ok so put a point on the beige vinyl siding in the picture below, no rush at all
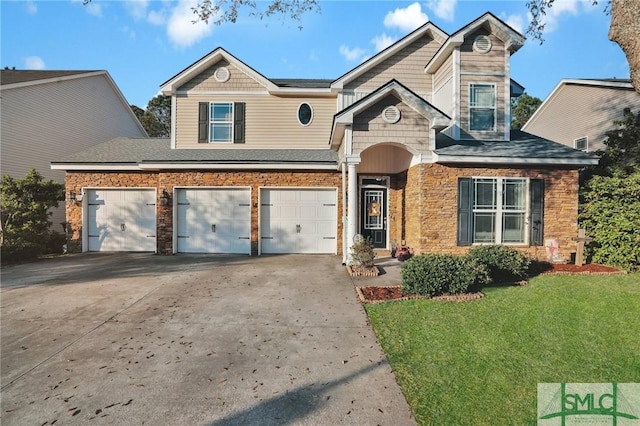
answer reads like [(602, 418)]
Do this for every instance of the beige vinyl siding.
[(48, 122), (369, 129), (271, 121), (465, 82), (443, 87), (577, 111), (482, 68), (472, 61), (238, 80), (407, 66)]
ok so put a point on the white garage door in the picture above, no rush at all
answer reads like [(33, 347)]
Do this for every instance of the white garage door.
[(298, 221), (121, 219), (214, 220)]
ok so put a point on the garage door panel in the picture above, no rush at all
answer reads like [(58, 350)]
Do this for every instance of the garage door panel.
[(121, 220), (214, 220), (298, 220)]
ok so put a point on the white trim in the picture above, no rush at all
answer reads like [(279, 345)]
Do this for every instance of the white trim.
[(85, 166), (174, 117), (484, 73), (439, 158), (211, 121), (298, 113), (79, 74), (221, 93), (507, 96), (457, 102), (495, 106), (242, 166)]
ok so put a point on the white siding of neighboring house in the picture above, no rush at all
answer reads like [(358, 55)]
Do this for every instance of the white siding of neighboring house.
[(41, 123), (577, 110)]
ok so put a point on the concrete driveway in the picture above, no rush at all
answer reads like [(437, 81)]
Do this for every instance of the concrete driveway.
[(187, 339)]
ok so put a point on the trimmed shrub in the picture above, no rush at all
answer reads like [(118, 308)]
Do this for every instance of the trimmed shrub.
[(362, 252), (502, 263), (437, 274)]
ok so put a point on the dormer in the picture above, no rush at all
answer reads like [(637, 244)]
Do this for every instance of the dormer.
[(471, 81)]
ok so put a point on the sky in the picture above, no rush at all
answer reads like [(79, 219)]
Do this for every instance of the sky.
[(143, 43)]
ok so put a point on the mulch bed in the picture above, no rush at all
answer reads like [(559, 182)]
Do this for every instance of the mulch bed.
[(375, 294)]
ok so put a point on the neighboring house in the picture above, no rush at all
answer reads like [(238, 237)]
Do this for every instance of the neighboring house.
[(414, 145), (578, 113), (48, 114)]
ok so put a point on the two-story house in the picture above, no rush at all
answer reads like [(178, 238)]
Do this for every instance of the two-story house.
[(412, 145)]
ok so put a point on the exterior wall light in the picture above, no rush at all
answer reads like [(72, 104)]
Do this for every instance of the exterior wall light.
[(164, 198), (75, 197)]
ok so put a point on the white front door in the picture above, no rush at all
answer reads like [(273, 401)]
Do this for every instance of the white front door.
[(121, 219), (298, 220), (214, 220)]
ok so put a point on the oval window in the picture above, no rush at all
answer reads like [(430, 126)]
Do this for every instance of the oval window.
[(305, 114)]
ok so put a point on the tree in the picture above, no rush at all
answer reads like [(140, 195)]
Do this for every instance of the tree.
[(622, 144), (624, 28), (24, 215), (522, 109), (156, 119)]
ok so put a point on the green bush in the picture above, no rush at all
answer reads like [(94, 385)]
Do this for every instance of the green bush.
[(437, 274), (610, 213), (503, 263), (362, 252), (24, 215)]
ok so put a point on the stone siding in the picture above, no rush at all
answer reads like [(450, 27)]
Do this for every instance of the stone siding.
[(76, 181), (431, 222)]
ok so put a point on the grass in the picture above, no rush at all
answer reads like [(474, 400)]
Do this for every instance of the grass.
[(479, 363)]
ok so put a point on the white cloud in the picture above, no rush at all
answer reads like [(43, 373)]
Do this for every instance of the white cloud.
[(516, 22), (93, 8), (129, 31), (137, 8), (352, 55), (32, 8), (554, 13), (407, 19), (382, 41), (156, 17), (181, 29), (443, 9), (34, 63)]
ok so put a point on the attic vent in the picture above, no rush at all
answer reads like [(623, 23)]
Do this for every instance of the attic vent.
[(221, 75), (391, 114), (482, 44)]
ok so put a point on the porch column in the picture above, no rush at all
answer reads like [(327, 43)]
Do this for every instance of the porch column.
[(352, 202)]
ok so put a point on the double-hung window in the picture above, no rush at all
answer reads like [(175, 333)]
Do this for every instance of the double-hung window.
[(495, 211), (482, 107), (221, 122)]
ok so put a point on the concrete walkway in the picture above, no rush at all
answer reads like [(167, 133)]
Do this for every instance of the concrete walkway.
[(187, 339)]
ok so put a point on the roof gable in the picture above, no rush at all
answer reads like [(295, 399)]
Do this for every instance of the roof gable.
[(345, 117), (429, 29), (512, 39), (170, 86), (10, 78)]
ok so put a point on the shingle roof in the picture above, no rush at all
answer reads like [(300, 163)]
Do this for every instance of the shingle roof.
[(521, 146), (23, 76), (158, 150), (306, 83)]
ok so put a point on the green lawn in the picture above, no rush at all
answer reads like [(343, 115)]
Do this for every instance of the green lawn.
[(479, 363)]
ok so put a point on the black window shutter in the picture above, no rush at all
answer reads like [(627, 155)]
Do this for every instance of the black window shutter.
[(203, 122), (536, 187), (238, 122), (465, 211)]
